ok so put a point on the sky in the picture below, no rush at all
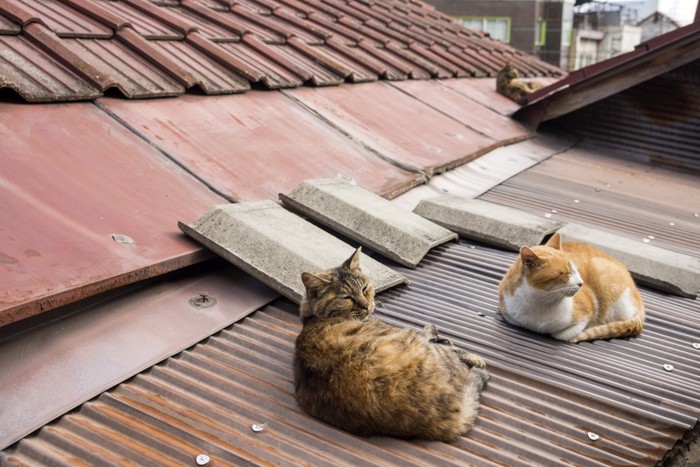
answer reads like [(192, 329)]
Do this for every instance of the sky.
[(682, 11)]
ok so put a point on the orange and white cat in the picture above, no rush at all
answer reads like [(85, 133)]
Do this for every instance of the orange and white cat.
[(571, 291)]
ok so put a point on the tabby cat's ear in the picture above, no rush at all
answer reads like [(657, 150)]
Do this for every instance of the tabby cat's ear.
[(529, 258), (353, 262), (554, 242), (313, 282)]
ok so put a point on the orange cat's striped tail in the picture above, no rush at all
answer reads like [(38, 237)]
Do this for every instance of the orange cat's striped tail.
[(617, 329)]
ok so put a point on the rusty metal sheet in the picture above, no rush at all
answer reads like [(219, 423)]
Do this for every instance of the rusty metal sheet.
[(233, 142), (471, 113), (87, 206), (396, 126), (231, 397), (97, 345), (36, 77)]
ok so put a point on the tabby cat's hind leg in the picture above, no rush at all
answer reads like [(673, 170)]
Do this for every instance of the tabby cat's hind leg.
[(431, 333), (469, 359)]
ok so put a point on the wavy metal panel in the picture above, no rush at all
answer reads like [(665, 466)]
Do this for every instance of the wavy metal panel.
[(543, 399), (657, 121), (654, 205)]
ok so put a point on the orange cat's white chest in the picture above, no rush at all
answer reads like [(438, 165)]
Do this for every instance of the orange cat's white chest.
[(530, 308)]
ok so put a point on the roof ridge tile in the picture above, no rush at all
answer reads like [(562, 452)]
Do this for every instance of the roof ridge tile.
[(143, 47), (162, 14), (215, 17), (300, 23), (222, 56), (260, 20), (19, 14), (266, 51), (95, 11), (45, 38), (319, 56)]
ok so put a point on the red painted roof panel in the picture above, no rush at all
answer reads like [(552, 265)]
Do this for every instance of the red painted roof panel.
[(395, 125), (63, 237), (234, 141)]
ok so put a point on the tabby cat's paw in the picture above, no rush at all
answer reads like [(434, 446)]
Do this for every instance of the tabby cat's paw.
[(471, 360)]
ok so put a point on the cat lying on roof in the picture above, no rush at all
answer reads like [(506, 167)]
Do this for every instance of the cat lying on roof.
[(571, 291), (371, 378)]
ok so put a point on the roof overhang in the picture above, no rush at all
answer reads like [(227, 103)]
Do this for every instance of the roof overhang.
[(601, 80)]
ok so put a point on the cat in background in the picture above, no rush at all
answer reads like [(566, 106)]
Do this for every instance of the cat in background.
[(509, 84), (355, 372), (571, 291)]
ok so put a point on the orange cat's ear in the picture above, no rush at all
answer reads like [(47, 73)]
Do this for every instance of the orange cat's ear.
[(529, 258), (353, 262), (313, 282), (554, 242)]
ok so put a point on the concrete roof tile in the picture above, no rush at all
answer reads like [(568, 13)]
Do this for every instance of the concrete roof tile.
[(368, 218), (239, 232)]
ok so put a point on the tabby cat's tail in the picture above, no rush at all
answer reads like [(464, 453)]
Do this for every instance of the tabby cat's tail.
[(617, 329)]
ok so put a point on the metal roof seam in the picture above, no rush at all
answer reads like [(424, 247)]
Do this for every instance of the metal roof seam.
[(175, 160)]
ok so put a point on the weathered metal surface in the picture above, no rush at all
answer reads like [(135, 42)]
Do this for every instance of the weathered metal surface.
[(588, 187), (276, 246), (547, 403), (96, 345), (487, 222), (432, 143), (367, 218), (36, 77), (656, 121), (58, 229), (479, 117), (650, 265), (233, 141)]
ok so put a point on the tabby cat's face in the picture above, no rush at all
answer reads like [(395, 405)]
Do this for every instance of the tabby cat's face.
[(342, 291)]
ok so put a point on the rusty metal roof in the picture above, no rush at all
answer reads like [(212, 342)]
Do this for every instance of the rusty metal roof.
[(231, 396), (155, 49)]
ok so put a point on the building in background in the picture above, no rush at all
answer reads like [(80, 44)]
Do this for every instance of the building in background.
[(571, 33), (537, 27)]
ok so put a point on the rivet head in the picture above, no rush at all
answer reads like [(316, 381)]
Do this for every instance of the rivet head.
[(481, 314), (258, 427), (696, 345), (593, 436), (668, 367), (202, 459), (203, 300), (120, 238)]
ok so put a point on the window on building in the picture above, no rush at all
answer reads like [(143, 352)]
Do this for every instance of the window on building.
[(497, 27), (541, 33)]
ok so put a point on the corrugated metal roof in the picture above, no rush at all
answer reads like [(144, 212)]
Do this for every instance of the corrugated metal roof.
[(543, 399), (271, 40), (657, 121), (654, 205)]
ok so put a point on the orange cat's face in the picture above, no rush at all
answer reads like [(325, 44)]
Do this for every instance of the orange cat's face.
[(547, 269)]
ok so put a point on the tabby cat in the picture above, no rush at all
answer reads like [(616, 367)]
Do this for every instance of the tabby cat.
[(355, 372), (572, 291), (508, 84)]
